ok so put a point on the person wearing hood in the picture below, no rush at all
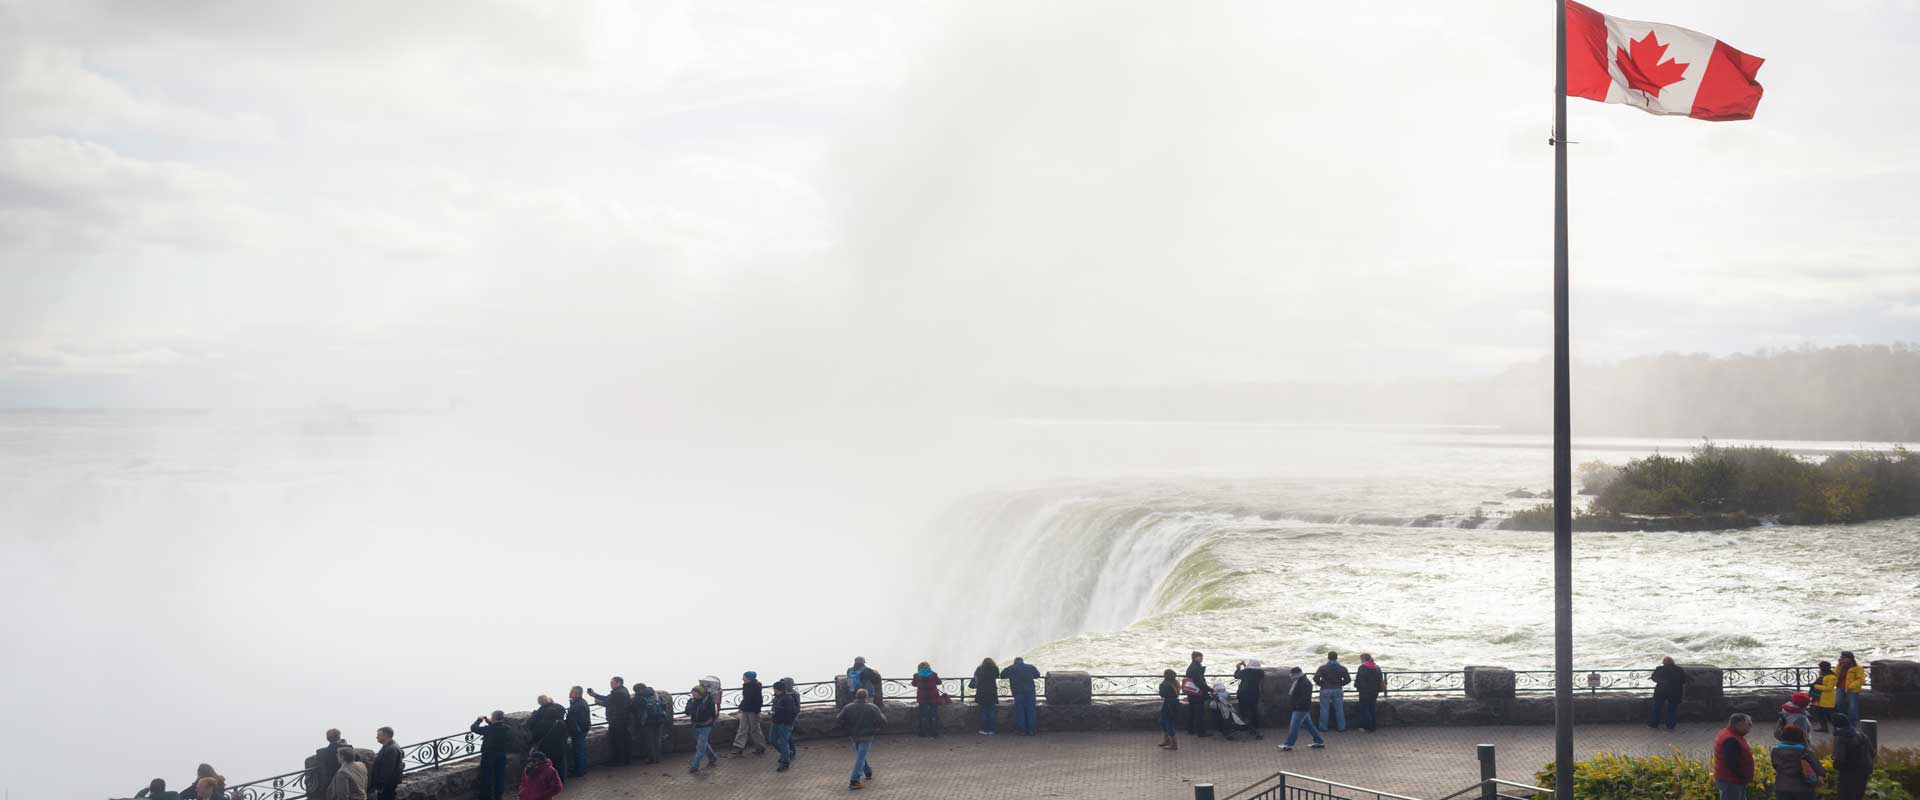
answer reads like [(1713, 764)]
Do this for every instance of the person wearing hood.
[(1669, 688), (749, 733), (548, 726), (1197, 699), (1849, 681), (862, 720), (1797, 773), (1251, 676), (860, 676), (209, 784), (1300, 703), (495, 740), (619, 705), (927, 698), (1824, 695), (1853, 758), (702, 708), (1371, 683), (1793, 714), (1169, 709), (786, 711), (986, 694), (542, 781), (1022, 681), (350, 779)]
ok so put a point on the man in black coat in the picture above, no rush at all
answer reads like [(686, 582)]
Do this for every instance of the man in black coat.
[(495, 740), (387, 766), (548, 726), (326, 761), (1197, 703), (579, 722), (1300, 703), (1669, 688), (619, 706)]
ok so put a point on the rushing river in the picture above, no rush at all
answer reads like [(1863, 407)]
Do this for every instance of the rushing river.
[(222, 587)]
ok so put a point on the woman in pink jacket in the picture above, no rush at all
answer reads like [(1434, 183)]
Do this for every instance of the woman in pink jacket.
[(541, 782)]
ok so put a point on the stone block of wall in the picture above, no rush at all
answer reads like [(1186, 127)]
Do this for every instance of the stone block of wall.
[(1489, 683), (1069, 688), (1893, 675), (1706, 691)]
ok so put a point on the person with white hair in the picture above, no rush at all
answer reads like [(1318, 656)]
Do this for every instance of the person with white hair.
[(1251, 677)]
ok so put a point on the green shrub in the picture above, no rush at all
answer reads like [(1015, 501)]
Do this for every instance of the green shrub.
[(1844, 487), (1682, 777), (1902, 766)]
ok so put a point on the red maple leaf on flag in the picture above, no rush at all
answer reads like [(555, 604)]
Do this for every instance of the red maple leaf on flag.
[(1643, 69)]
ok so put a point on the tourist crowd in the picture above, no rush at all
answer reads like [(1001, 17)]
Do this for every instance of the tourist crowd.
[(1831, 705), (556, 746)]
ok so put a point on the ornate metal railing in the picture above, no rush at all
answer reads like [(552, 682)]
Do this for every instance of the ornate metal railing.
[(1424, 681), (463, 746), (291, 786), (1769, 677), (439, 752), (1126, 685)]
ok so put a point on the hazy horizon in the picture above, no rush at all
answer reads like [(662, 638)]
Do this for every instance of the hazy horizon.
[(731, 293)]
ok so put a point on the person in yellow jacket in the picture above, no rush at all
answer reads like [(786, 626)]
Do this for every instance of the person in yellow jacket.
[(1851, 681), (1825, 693)]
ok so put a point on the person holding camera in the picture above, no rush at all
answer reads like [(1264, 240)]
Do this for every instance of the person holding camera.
[(495, 740)]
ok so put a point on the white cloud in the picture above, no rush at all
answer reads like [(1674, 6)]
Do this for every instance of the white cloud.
[(58, 193)]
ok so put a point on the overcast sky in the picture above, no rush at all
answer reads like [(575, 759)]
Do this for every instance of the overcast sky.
[(240, 203)]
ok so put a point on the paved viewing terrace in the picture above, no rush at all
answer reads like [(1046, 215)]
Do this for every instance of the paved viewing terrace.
[(1423, 762)]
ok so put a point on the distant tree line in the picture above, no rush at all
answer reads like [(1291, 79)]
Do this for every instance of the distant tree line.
[(1860, 393)]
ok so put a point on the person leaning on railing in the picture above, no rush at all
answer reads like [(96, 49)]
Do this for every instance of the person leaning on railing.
[(1669, 688), (986, 694), (1022, 679)]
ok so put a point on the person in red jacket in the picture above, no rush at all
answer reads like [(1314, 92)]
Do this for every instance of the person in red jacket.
[(1733, 758), (542, 781)]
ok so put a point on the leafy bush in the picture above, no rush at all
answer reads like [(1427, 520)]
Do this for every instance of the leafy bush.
[(1596, 476), (1845, 487), (1682, 777), (1902, 766)]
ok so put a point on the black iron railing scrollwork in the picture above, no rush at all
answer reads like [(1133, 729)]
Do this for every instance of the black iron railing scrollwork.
[(463, 746)]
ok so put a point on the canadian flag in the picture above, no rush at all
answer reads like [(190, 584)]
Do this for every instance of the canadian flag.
[(1660, 69)]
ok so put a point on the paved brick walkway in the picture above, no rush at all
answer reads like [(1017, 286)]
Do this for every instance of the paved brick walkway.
[(1424, 762)]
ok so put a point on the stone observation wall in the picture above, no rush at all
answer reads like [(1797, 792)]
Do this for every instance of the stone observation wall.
[(1069, 705)]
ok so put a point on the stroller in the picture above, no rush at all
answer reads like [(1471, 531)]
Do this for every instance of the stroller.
[(1224, 713)]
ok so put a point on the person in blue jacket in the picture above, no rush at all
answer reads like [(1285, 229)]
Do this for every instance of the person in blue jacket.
[(1020, 677)]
